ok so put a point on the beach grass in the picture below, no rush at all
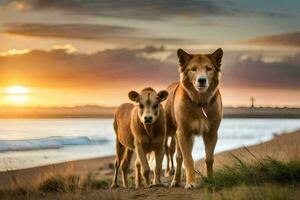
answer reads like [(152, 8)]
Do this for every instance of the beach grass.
[(266, 178), (267, 170)]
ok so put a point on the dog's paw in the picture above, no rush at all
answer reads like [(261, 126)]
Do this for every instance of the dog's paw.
[(174, 184), (190, 186)]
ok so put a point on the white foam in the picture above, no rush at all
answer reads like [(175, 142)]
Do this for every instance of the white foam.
[(54, 142)]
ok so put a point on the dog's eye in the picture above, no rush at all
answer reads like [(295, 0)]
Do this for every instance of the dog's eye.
[(208, 69), (194, 69), (155, 106), (141, 106)]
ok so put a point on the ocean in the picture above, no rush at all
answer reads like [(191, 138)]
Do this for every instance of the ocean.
[(26, 143)]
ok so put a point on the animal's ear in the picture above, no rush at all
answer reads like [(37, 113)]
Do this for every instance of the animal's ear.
[(133, 96), (183, 58), (162, 95), (217, 58)]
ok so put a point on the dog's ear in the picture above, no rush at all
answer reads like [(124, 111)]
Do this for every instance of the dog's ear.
[(216, 57), (183, 58), (162, 95), (133, 96)]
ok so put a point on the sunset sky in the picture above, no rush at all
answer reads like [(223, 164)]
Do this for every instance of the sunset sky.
[(78, 52)]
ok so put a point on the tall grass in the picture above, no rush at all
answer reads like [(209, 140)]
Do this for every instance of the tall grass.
[(73, 184), (259, 179), (266, 170)]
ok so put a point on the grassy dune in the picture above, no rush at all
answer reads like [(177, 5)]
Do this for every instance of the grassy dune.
[(270, 170), (263, 179)]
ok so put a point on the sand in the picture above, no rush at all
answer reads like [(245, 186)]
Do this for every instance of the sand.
[(282, 147)]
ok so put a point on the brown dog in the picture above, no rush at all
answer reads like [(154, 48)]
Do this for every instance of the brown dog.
[(140, 128), (194, 107)]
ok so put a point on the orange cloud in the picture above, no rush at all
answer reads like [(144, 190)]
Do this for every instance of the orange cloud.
[(105, 77), (291, 39), (13, 52)]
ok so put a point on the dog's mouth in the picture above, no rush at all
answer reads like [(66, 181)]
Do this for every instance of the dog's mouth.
[(148, 123), (200, 88)]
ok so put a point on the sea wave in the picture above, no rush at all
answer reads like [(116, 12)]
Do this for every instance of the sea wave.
[(55, 142)]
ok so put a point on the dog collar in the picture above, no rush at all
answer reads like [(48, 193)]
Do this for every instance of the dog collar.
[(205, 105), (204, 112)]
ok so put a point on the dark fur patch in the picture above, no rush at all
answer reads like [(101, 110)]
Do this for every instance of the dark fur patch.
[(148, 100)]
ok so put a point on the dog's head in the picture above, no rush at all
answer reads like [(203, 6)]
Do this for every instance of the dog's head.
[(200, 69), (148, 103)]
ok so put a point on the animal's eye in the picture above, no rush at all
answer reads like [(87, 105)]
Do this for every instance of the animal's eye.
[(155, 106), (208, 68), (194, 69), (141, 106)]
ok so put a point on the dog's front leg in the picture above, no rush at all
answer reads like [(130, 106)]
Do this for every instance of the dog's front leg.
[(144, 163), (210, 140), (186, 141)]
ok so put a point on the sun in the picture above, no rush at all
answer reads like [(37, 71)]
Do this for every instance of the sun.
[(16, 89), (17, 94)]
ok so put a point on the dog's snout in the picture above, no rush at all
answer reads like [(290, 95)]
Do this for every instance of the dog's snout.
[(201, 80), (148, 119)]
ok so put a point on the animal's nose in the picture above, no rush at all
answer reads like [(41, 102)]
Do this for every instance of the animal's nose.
[(201, 80), (148, 119)]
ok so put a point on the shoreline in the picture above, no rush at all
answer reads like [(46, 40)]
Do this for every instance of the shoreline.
[(281, 147), (108, 112)]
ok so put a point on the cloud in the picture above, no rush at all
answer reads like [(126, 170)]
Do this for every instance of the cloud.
[(13, 52), (68, 48), (146, 9), (284, 39), (126, 68), (253, 71), (6, 5), (149, 9), (103, 33), (79, 31), (58, 68)]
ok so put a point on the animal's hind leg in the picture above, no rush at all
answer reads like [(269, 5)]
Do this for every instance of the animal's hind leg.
[(119, 155), (171, 154), (177, 175), (138, 174), (125, 164), (167, 171)]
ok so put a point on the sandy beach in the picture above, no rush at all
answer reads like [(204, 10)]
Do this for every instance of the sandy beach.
[(282, 147)]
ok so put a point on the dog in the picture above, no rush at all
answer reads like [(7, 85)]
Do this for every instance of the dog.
[(194, 107), (140, 128)]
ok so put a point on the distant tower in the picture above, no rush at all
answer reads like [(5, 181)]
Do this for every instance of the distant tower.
[(252, 99)]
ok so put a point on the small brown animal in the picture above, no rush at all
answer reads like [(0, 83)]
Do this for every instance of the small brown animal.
[(194, 107), (140, 128)]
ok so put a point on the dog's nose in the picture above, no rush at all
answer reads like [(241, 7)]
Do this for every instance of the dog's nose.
[(148, 119), (202, 81)]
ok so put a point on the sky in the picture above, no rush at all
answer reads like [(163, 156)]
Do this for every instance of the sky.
[(79, 52)]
